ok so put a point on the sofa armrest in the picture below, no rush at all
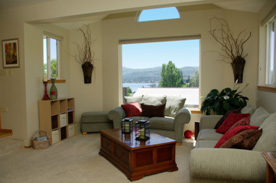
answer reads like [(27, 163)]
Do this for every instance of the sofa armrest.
[(229, 164), (116, 115), (181, 118), (209, 121)]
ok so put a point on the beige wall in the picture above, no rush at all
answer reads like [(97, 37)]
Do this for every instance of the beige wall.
[(214, 74), (88, 97), (13, 96), (33, 36), (22, 88), (22, 114), (264, 98)]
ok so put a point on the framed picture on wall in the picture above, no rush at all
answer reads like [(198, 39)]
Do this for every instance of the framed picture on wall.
[(10, 53)]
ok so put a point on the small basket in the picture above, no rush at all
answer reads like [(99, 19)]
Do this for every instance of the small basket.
[(41, 139)]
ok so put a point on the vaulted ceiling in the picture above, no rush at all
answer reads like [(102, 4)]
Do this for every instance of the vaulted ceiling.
[(240, 5)]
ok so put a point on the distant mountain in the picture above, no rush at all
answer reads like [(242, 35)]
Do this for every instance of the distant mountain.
[(151, 75)]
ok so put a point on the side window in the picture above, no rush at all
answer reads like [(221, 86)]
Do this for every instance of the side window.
[(270, 61), (51, 57)]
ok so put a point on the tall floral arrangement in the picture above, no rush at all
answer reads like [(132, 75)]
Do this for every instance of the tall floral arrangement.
[(232, 47), (86, 54)]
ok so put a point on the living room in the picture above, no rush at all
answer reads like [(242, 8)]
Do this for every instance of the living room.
[(112, 22)]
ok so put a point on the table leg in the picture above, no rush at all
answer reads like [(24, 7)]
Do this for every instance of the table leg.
[(269, 174), (196, 129)]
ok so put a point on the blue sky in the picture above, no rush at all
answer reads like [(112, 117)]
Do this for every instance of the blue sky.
[(159, 14), (147, 55)]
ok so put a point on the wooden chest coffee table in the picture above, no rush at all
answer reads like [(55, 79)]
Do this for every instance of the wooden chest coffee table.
[(135, 158)]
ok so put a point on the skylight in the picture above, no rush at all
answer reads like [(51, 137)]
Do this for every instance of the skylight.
[(159, 14)]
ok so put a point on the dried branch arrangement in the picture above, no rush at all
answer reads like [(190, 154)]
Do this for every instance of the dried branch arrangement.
[(85, 51), (232, 47)]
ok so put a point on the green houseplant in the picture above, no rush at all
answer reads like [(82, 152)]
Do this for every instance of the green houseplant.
[(221, 102)]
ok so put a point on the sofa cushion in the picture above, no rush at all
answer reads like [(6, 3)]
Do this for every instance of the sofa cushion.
[(153, 100), (94, 117), (231, 119), (258, 117), (243, 140), (267, 142), (248, 109), (206, 143), (133, 99), (159, 123), (173, 105), (219, 123), (209, 134), (152, 110), (132, 109), (233, 132)]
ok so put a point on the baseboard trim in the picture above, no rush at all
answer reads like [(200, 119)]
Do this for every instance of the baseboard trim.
[(5, 132)]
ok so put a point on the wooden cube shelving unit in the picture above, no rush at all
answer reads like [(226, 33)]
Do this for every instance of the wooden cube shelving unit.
[(57, 117)]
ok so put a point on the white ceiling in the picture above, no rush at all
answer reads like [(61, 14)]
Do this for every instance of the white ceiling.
[(241, 5)]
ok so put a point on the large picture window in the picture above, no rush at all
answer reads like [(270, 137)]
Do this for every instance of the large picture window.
[(51, 56), (168, 66)]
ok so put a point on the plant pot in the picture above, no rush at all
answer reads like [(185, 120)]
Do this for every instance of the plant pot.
[(238, 67), (87, 69)]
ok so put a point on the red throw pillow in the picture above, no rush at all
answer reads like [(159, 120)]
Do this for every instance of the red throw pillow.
[(132, 109), (231, 119), (233, 132), (238, 111), (241, 122)]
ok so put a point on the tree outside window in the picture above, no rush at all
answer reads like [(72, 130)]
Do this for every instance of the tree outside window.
[(51, 47)]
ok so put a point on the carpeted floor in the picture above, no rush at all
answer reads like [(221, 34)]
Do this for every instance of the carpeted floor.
[(76, 160)]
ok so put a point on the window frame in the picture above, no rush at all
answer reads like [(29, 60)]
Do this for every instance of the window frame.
[(48, 55), (269, 28), (161, 39)]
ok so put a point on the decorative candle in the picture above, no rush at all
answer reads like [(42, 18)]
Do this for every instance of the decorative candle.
[(45, 79), (126, 127), (142, 133)]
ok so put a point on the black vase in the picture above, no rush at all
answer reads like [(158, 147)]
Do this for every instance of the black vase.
[(238, 67), (87, 68)]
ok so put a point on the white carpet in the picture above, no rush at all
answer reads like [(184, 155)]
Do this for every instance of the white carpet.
[(76, 160)]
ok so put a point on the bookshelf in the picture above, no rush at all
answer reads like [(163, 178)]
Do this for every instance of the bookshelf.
[(57, 117)]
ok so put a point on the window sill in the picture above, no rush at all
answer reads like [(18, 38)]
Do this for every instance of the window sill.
[(58, 81), (195, 111), (267, 88)]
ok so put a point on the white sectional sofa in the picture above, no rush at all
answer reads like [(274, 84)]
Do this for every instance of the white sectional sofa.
[(209, 164)]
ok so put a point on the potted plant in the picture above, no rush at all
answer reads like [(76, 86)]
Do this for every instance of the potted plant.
[(221, 102), (85, 54), (232, 46)]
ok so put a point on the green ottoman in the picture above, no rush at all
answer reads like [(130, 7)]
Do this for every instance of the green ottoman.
[(95, 122)]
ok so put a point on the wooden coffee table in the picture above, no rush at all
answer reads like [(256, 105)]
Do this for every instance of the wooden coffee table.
[(135, 158), (270, 166)]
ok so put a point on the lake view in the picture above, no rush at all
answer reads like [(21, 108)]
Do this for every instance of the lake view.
[(135, 86)]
